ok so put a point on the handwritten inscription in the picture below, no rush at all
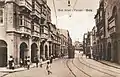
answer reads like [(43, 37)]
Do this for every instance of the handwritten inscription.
[(75, 10)]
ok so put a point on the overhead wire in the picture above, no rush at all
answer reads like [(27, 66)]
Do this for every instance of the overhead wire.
[(74, 6), (55, 11)]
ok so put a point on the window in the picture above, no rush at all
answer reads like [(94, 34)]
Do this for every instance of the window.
[(20, 20), (1, 16)]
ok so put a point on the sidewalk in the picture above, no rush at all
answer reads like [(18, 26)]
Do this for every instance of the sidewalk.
[(111, 64), (4, 71)]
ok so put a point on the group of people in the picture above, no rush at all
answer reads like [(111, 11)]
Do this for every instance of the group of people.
[(26, 63)]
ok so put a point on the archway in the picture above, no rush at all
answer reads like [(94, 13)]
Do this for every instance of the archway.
[(41, 49), (109, 51), (34, 50), (50, 50), (115, 51), (23, 49), (46, 52), (3, 53)]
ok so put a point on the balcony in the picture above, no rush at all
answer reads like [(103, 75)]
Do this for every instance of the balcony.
[(35, 34), (44, 36), (26, 3), (35, 13), (25, 30), (112, 27), (43, 15), (112, 30)]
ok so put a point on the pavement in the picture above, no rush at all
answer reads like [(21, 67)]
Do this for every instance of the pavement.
[(5, 71), (111, 64)]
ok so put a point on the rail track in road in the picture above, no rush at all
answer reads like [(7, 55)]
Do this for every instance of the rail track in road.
[(83, 72), (110, 75), (100, 67), (70, 69)]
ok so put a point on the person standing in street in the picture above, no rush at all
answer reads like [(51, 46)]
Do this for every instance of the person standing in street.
[(51, 59), (48, 68)]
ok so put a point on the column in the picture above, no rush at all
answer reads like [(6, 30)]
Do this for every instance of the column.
[(29, 47)]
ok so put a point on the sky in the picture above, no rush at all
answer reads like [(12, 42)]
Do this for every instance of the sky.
[(77, 21)]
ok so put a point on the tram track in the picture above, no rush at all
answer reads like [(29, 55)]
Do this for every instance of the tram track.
[(80, 70), (100, 67), (111, 75), (70, 69)]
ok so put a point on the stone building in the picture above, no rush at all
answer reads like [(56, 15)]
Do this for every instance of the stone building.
[(63, 42), (108, 23), (112, 18), (23, 28), (66, 40), (87, 43), (100, 24)]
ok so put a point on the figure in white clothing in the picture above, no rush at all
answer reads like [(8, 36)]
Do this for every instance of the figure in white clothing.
[(48, 68)]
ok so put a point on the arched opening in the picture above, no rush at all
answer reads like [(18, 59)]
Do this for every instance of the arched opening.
[(109, 51), (41, 49), (46, 52), (3, 53), (50, 50), (115, 51), (114, 14), (23, 50), (34, 49), (114, 11), (101, 53)]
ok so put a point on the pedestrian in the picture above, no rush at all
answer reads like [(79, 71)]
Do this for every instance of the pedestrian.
[(21, 63), (41, 63), (13, 64), (51, 59), (28, 62), (48, 68), (36, 61), (25, 62), (10, 62)]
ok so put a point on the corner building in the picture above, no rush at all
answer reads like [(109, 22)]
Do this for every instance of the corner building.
[(22, 27)]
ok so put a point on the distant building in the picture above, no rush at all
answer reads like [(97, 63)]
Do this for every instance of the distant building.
[(87, 44), (78, 46)]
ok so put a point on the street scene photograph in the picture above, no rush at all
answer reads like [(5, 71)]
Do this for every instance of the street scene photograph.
[(59, 38)]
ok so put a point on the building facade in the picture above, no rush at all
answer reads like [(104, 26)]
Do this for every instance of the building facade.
[(106, 33), (87, 44), (100, 24), (112, 9)]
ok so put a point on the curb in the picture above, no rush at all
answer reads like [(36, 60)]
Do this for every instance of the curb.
[(8, 72), (109, 65)]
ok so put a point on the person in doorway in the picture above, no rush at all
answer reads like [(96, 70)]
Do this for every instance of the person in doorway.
[(36, 61), (21, 63), (48, 68)]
